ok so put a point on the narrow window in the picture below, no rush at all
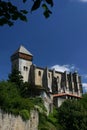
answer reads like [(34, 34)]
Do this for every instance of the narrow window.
[(49, 75), (57, 79), (24, 67), (39, 73)]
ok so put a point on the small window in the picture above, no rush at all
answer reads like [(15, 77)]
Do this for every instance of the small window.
[(49, 75), (39, 73), (57, 79), (25, 68)]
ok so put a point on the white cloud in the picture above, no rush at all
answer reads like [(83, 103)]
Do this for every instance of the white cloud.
[(84, 85), (62, 68), (84, 76)]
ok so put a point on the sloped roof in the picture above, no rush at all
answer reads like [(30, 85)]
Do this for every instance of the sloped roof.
[(22, 49)]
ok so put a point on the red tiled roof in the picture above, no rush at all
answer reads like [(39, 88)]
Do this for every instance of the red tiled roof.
[(66, 94)]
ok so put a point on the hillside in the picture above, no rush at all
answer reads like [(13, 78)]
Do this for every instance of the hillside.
[(72, 114)]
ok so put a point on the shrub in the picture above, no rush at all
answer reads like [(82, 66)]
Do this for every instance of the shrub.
[(24, 114)]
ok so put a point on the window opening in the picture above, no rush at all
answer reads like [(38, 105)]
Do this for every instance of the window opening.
[(39, 73), (25, 68), (49, 75)]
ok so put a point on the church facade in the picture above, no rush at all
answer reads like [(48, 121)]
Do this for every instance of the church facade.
[(54, 86)]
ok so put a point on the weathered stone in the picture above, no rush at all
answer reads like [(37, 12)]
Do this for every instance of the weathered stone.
[(11, 122)]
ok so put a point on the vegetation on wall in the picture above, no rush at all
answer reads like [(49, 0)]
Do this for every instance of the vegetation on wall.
[(16, 77), (49, 122), (11, 100), (72, 114), (15, 99)]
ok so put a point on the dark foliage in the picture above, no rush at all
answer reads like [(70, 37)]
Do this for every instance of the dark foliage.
[(48, 122), (16, 77), (72, 115), (9, 13), (11, 101)]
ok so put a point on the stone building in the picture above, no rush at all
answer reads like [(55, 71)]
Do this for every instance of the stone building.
[(53, 86)]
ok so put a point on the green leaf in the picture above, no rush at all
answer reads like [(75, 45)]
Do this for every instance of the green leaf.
[(50, 2), (22, 17), (14, 17), (46, 14), (36, 5), (44, 6), (49, 12)]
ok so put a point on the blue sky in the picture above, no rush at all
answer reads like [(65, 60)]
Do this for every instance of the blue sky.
[(59, 41)]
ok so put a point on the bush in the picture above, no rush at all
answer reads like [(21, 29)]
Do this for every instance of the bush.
[(24, 114), (12, 102), (44, 129)]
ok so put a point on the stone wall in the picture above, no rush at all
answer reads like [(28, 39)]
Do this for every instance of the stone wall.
[(11, 122)]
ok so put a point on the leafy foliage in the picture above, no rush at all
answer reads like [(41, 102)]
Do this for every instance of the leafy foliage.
[(25, 90), (12, 102), (24, 114), (47, 12), (72, 115), (8, 91), (9, 13), (53, 117), (48, 122), (16, 77), (36, 5), (83, 101)]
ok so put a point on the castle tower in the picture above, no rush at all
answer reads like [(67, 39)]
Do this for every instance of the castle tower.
[(22, 59)]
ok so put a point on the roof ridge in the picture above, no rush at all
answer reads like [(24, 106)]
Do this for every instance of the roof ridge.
[(22, 49)]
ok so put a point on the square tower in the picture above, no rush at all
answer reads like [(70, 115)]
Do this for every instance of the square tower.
[(22, 59)]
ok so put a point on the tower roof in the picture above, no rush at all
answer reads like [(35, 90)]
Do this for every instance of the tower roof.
[(22, 49)]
